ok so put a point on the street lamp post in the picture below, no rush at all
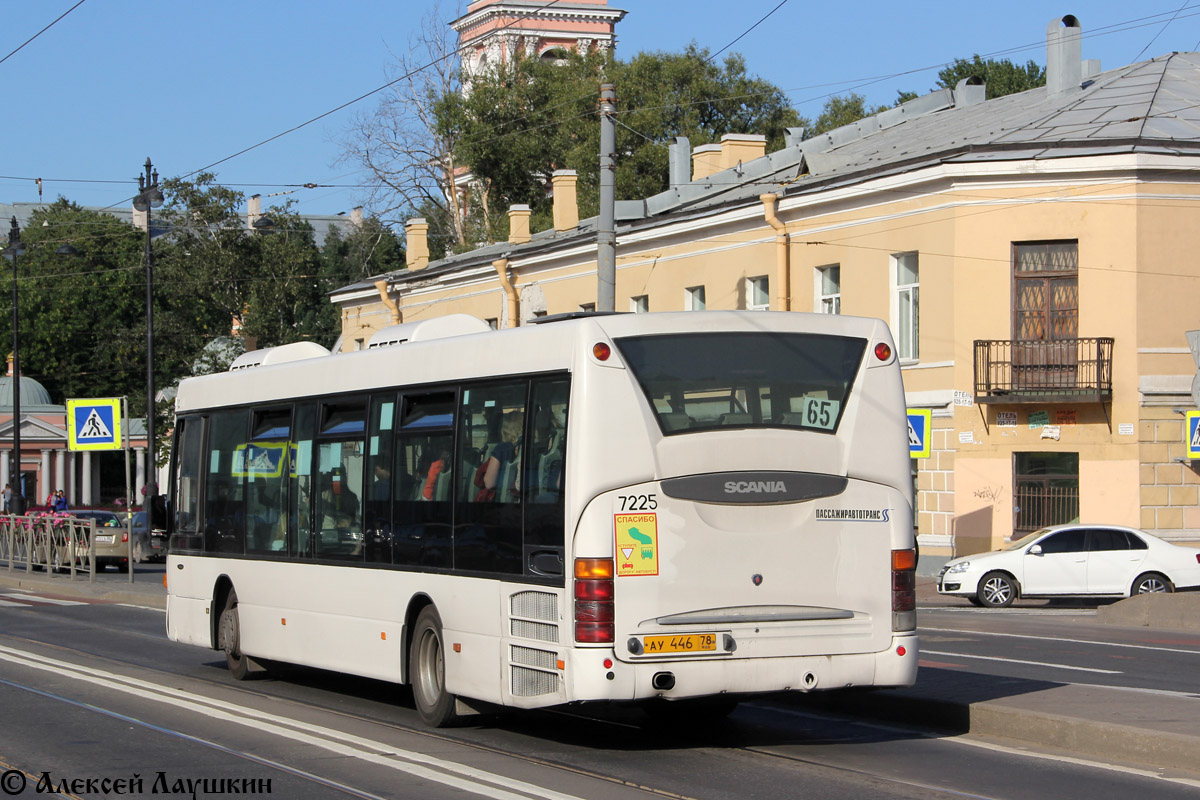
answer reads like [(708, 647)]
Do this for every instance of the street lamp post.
[(17, 504), (149, 197)]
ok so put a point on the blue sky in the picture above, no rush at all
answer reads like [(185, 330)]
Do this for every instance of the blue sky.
[(192, 83)]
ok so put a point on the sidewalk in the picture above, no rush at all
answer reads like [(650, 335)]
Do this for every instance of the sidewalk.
[(1140, 727)]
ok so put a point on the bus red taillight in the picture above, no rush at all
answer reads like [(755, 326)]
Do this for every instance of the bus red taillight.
[(882, 351), (594, 600), (904, 580)]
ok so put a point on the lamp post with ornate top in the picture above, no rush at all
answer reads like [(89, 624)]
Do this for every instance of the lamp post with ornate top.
[(149, 197)]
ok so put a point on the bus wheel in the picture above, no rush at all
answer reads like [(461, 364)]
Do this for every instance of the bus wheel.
[(240, 665), (427, 671)]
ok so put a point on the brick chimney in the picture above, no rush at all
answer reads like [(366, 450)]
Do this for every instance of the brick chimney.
[(741, 148), (253, 210), (518, 223), (566, 205), (416, 234), (706, 159)]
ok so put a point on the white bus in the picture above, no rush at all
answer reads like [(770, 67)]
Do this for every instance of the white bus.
[(686, 507)]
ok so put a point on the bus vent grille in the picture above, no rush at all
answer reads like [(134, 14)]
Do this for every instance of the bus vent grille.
[(535, 605), (531, 657), (531, 682), (524, 629)]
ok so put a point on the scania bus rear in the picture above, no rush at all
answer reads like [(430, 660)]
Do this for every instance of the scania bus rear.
[(748, 520)]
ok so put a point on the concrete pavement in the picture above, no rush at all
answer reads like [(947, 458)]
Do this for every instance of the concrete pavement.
[(1156, 730)]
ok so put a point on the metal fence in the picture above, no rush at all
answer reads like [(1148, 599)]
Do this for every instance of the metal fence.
[(53, 543), (1039, 505)]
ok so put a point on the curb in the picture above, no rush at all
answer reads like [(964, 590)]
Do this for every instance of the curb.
[(106, 591)]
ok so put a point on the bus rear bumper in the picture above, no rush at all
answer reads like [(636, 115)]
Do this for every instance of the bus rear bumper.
[(681, 678)]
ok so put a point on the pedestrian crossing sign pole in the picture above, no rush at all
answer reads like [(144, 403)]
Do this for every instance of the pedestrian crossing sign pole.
[(94, 424), (1193, 435)]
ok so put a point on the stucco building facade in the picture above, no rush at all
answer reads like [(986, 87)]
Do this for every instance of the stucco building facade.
[(1035, 256)]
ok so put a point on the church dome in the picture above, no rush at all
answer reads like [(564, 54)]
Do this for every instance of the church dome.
[(33, 394)]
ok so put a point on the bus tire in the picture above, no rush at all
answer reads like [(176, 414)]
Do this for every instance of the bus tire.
[(427, 671), (241, 666)]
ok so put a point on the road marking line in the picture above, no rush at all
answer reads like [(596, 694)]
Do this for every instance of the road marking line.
[(13, 604), (925, 652), (961, 739), (420, 765), (1068, 641)]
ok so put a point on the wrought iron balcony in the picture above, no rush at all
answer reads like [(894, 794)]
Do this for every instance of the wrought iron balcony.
[(1060, 370)]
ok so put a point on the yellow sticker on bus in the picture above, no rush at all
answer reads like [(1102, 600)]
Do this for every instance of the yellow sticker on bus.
[(637, 544)]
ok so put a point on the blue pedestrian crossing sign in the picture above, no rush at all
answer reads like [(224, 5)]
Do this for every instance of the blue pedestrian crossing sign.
[(94, 424), (920, 435), (1193, 434)]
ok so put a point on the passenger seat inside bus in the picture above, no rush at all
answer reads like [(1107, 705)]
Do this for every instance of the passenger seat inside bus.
[(675, 421)]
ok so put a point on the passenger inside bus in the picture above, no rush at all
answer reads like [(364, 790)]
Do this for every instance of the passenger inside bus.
[(499, 470)]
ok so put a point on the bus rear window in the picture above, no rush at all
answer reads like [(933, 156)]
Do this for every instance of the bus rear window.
[(706, 381)]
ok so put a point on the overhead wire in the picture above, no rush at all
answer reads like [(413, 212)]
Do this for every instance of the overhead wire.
[(59, 18)]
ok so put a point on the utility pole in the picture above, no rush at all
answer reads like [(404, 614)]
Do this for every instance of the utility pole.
[(606, 233)]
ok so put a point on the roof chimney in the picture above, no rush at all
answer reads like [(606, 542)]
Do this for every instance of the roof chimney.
[(1064, 59), (518, 223), (253, 210), (356, 216), (566, 207), (741, 148), (706, 159), (970, 92), (416, 234), (678, 151), (792, 136)]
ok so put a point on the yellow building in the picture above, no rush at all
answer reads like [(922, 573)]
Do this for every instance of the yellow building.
[(1035, 255)]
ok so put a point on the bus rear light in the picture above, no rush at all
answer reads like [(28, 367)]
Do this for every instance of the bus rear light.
[(904, 588), (594, 591), (589, 611), (882, 351), (593, 568), (601, 351), (594, 632)]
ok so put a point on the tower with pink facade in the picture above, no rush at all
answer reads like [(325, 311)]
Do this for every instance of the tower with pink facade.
[(493, 30)]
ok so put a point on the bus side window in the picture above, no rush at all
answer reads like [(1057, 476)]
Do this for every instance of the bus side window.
[(488, 519), (424, 478), (545, 475), (224, 510), (185, 502)]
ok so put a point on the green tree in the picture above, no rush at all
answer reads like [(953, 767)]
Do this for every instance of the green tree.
[(1003, 77), (527, 117)]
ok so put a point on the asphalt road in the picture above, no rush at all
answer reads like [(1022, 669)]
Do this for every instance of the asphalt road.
[(93, 690)]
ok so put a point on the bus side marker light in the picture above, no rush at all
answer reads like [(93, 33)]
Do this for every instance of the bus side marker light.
[(283, 620), (607, 663), (458, 647), (560, 664), (900, 650), (383, 635)]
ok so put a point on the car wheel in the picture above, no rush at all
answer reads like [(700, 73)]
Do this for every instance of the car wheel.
[(996, 590), (1151, 583), (427, 670)]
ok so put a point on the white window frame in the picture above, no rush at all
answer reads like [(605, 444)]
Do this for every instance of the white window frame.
[(639, 304), (830, 303), (750, 286), (694, 298), (908, 342)]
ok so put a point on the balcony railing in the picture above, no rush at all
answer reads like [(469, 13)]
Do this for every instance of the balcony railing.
[(1062, 370)]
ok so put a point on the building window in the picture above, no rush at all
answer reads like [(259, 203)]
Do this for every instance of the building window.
[(829, 289), (905, 305), (587, 307), (359, 344), (758, 294), (492, 323), (639, 304), (1047, 490), (1045, 314), (694, 298)]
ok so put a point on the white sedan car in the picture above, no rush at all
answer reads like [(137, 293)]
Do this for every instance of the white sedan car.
[(1073, 561)]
